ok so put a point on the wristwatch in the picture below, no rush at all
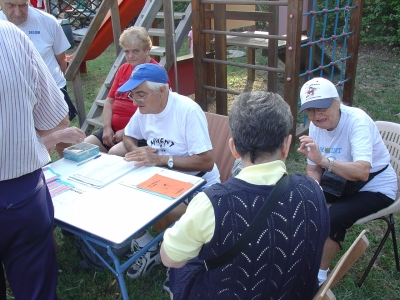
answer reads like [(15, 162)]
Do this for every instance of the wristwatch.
[(330, 159), (170, 162)]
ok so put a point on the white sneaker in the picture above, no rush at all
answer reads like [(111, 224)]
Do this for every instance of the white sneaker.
[(145, 263), (166, 283)]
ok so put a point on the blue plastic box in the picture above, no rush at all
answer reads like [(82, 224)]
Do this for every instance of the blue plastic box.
[(80, 152)]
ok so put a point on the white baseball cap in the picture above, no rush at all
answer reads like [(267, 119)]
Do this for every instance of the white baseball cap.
[(317, 93)]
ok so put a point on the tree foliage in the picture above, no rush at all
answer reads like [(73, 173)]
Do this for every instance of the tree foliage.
[(380, 21)]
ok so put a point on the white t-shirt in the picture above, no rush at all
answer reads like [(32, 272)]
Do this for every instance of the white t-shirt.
[(179, 130), (357, 138), (48, 37)]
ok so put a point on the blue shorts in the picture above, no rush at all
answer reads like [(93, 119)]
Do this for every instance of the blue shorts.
[(99, 135)]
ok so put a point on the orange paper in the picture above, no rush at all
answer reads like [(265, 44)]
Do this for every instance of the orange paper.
[(165, 185)]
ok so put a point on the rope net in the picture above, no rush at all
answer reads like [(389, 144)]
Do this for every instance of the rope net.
[(328, 39)]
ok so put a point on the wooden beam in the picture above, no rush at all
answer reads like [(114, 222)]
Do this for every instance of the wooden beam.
[(169, 28), (74, 64), (352, 49), (293, 55), (199, 51), (47, 6), (77, 88), (273, 49), (116, 25), (245, 2), (243, 15), (220, 54)]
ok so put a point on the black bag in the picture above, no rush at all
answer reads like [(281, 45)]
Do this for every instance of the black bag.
[(333, 184), (338, 186), (91, 260)]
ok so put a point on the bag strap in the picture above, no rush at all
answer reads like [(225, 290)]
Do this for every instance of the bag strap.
[(200, 174), (254, 227)]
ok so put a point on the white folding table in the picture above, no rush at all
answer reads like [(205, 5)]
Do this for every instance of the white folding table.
[(113, 215)]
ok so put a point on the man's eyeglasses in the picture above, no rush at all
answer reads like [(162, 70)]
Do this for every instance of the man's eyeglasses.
[(311, 111), (138, 100)]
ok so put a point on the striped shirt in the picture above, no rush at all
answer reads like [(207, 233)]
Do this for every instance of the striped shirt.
[(29, 100)]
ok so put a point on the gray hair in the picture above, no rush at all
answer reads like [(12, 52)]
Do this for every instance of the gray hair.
[(156, 86), (259, 122), (337, 99), (133, 34)]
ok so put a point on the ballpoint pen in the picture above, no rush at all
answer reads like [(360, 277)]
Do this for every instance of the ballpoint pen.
[(85, 161)]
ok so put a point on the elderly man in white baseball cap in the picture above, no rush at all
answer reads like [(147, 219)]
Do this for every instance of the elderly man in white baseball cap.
[(346, 155)]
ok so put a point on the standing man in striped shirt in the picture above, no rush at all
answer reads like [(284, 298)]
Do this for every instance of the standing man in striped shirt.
[(50, 41), (31, 107)]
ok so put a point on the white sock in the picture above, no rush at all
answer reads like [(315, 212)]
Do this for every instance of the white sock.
[(145, 239), (322, 275)]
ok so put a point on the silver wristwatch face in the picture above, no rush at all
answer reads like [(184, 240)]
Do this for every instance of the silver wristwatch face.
[(170, 162)]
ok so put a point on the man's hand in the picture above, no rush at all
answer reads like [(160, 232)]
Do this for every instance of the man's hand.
[(144, 156), (71, 135)]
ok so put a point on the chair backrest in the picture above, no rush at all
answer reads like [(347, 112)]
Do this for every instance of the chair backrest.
[(390, 133), (218, 128), (343, 265)]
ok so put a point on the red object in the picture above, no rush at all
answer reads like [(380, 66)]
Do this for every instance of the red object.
[(185, 76), (35, 4)]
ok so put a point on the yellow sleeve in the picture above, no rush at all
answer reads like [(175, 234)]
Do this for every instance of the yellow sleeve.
[(196, 227)]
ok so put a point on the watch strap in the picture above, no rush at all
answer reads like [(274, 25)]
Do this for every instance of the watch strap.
[(330, 164)]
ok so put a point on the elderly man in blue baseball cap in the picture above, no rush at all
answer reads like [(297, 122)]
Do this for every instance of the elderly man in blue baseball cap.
[(176, 131)]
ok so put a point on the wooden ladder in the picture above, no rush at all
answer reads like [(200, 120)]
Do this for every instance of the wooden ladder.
[(150, 12)]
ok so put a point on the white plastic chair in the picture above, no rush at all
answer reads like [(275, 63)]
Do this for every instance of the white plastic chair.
[(390, 133), (342, 267)]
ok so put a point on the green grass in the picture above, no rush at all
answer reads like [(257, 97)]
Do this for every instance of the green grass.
[(377, 91)]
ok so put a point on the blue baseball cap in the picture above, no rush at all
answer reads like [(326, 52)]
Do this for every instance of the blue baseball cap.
[(142, 73)]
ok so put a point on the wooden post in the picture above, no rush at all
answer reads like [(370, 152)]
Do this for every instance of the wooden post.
[(80, 53), (199, 51), (209, 48), (352, 49), (116, 25), (77, 88), (72, 72), (273, 49), (293, 57), (312, 38), (47, 6), (155, 39), (220, 53), (169, 28)]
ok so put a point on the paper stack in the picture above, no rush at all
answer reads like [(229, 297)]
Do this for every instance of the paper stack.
[(102, 171)]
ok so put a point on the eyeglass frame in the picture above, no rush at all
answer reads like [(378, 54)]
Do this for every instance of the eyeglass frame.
[(138, 100)]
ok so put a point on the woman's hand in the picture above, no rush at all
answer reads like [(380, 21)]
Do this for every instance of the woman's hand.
[(310, 149), (118, 136), (108, 134)]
